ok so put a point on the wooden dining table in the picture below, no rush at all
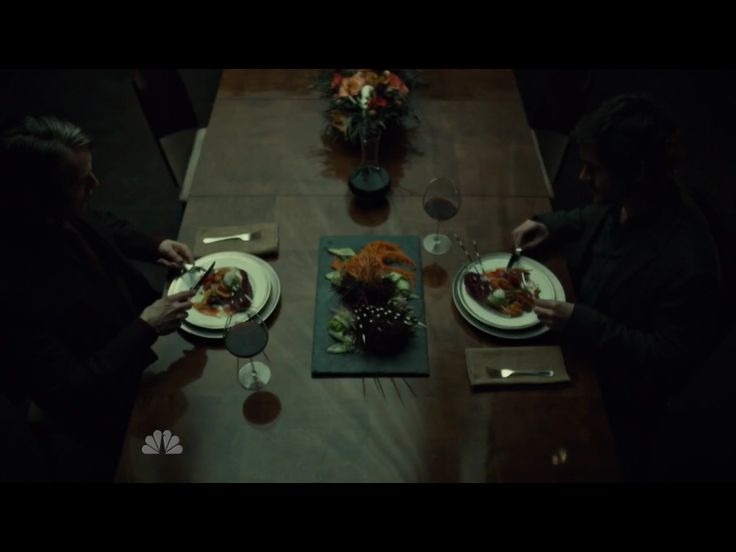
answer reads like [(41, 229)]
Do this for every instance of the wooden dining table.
[(265, 159)]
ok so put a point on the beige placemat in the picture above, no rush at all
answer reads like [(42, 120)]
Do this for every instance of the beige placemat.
[(266, 244), (515, 358)]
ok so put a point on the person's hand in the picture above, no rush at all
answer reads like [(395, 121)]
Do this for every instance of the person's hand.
[(174, 254), (553, 314), (166, 315), (529, 234)]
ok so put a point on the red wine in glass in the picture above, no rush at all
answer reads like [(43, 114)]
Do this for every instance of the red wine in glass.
[(440, 208), (441, 202), (246, 340)]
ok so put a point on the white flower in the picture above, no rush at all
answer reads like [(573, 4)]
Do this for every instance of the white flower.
[(366, 93)]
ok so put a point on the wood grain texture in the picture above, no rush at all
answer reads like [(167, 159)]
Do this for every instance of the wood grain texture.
[(264, 161), (387, 429)]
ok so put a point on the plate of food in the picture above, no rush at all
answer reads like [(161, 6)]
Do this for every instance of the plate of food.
[(505, 299), (238, 284), (267, 310)]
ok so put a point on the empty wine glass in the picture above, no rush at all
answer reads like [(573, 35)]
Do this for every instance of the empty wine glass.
[(246, 335), (441, 201)]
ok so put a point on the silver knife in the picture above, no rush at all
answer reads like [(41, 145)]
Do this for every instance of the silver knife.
[(514, 258), (201, 280)]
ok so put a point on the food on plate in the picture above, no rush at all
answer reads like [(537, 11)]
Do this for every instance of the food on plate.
[(224, 292), (512, 293)]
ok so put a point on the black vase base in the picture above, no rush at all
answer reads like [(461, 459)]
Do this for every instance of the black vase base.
[(370, 185)]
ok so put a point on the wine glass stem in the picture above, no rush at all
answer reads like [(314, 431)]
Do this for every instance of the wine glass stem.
[(436, 237), (253, 370)]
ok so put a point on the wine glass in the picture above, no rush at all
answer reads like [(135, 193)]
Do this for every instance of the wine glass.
[(246, 335), (441, 201)]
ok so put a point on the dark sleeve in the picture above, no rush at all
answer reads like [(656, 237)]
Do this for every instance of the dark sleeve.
[(133, 243), (60, 381), (564, 226), (22, 457), (680, 332)]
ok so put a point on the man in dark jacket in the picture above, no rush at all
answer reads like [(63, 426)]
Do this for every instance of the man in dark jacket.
[(79, 320), (643, 264)]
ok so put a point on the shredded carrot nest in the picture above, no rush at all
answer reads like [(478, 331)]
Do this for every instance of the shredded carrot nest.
[(374, 260)]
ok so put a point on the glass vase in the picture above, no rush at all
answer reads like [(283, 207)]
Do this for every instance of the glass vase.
[(369, 181)]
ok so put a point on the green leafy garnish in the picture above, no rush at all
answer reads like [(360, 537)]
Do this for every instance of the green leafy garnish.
[(344, 252), (339, 348), (334, 276)]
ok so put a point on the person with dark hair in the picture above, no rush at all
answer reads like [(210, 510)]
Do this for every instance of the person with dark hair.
[(644, 267), (79, 320)]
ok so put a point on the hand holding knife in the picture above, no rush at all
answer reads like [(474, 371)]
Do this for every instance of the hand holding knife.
[(514, 258)]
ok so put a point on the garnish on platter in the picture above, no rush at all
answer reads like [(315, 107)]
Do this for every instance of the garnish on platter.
[(224, 292), (375, 315), (510, 293)]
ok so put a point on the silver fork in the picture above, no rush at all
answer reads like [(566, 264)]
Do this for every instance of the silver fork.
[(505, 373), (248, 236)]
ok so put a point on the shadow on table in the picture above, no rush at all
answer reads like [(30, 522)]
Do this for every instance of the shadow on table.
[(161, 401), (434, 276), (262, 408)]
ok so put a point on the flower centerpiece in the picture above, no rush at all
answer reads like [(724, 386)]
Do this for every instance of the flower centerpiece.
[(364, 102)]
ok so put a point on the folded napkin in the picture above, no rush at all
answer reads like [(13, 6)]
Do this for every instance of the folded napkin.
[(515, 358), (265, 244)]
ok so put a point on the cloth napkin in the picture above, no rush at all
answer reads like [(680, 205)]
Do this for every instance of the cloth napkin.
[(515, 358), (265, 244)]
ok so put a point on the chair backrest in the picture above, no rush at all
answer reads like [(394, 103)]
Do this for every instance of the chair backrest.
[(554, 100), (170, 115), (164, 100)]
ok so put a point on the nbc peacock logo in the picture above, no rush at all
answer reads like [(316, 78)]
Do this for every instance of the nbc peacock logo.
[(162, 442)]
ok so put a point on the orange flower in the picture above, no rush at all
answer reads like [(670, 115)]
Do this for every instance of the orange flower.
[(370, 76), (351, 86)]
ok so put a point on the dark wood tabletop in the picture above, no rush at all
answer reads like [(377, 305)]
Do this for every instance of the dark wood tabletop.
[(264, 160)]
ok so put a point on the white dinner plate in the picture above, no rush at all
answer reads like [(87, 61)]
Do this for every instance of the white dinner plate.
[(265, 313), (514, 334), (539, 274), (257, 275)]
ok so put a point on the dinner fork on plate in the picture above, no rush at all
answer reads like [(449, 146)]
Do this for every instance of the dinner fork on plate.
[(247, 236)]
